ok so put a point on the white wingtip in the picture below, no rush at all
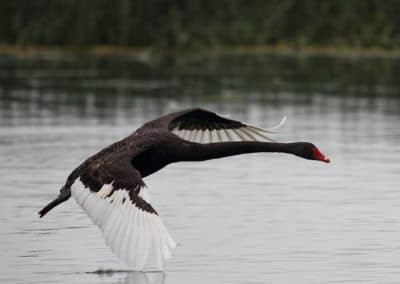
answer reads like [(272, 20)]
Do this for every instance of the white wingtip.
[(279, 125), (270, 130)]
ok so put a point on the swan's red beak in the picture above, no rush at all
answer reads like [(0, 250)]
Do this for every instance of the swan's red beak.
[(319, 156)]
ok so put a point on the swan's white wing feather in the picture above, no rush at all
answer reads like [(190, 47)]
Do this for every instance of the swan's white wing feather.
[(131, 227), (201, 126)]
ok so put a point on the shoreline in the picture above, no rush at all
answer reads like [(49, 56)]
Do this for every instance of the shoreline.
[(279, 50)]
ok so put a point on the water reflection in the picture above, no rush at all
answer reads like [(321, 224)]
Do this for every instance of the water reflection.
[(144, 278), (104, 88), (133, 277), (196, 75)]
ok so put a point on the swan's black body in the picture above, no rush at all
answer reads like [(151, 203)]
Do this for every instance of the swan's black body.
[(153, 146), (109, 186)]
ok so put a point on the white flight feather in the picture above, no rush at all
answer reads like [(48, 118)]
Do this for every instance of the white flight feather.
[(138, 237), (245, 133)]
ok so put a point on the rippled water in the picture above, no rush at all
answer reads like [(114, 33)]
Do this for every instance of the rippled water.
[(260, 218)]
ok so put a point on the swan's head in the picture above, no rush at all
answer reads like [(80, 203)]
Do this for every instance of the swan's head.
[(309, 151)]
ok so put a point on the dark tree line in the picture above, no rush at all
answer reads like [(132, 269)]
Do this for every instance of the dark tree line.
[(179, 23)]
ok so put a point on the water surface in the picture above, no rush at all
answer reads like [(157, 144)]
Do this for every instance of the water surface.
[(260, 218)]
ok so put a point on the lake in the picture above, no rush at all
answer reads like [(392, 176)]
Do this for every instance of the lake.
[(259, 218)]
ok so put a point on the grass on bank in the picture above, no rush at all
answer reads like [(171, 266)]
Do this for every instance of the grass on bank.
[(278, 49)]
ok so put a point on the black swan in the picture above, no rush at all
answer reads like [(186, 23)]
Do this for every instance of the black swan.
[(110, 188)]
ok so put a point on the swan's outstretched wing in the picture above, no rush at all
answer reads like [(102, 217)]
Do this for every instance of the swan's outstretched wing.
[(202, 126), (114, 196)]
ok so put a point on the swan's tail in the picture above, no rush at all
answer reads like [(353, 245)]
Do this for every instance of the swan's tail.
[(65, 193)]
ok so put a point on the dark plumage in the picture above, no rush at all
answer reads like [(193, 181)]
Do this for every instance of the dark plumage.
[(189, 135)]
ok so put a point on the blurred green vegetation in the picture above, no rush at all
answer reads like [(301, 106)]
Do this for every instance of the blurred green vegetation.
[(197, 24)]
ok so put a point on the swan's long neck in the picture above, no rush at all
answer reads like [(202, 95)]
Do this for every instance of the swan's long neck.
[(201, 152)]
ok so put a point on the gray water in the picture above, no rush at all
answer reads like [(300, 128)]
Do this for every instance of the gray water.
[(260, 218)]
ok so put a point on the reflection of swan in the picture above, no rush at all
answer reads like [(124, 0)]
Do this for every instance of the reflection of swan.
[(134, 277), (145, 278)]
